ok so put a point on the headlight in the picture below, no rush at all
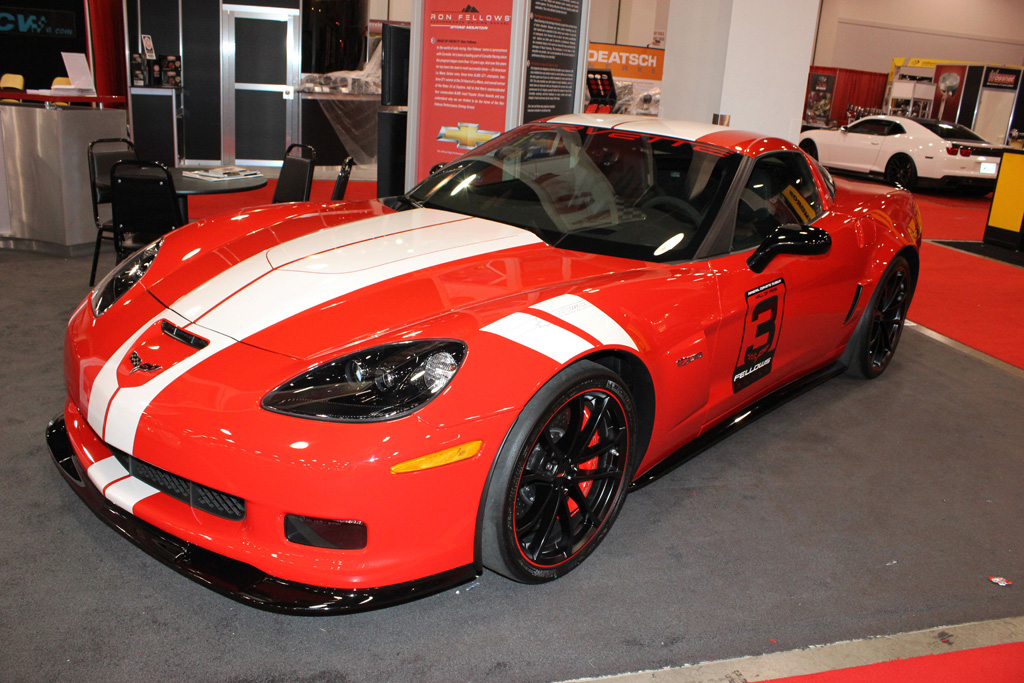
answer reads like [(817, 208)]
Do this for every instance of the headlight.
[(122, 278), (380, 383)]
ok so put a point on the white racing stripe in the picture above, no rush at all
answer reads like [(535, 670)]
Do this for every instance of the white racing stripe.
[(200, 300), (554, 341), (235, 307), (105, 385), (114, 482), (128, 492), (588, 317), (304, 284), (103, 473), (129, 403), (551, 340), (392, 225)]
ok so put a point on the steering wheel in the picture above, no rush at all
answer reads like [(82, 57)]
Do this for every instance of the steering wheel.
[(673, 205)]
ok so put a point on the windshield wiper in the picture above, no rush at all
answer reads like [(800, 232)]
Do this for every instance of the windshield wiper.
[(401, 202)]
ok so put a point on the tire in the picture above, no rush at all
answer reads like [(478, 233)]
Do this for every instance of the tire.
[(880, 328), (809, 147), (561, 475), (900, 170)]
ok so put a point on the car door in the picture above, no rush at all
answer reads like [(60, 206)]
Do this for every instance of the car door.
[(788, 319), (894, 141), (856, 147)]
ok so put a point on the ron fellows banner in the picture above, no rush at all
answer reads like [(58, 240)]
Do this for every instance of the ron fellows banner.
[(464, 77)]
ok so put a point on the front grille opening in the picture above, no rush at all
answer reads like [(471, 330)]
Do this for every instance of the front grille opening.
[(198, 496)]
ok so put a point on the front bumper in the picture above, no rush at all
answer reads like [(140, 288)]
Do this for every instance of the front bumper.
[(232, 578)]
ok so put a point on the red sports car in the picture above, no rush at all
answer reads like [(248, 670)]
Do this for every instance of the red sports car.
[(319, 408)]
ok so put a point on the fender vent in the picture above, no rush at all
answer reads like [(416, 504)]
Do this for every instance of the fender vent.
[(853, 306)]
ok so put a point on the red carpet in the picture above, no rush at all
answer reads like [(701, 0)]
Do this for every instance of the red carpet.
[(953, 217), (996, 664), (973, 300), (203, 206)]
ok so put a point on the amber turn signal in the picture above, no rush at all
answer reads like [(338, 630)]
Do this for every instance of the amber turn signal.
[(445, 457)]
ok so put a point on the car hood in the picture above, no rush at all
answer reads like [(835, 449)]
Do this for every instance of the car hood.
[(325, 281)]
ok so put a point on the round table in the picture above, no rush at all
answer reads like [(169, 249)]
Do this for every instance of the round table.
[(185, 185)]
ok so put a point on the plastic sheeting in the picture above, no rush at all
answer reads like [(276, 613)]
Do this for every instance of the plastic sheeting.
[(354, 119), (350, 100)]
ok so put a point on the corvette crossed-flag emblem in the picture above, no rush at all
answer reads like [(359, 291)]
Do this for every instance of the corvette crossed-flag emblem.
[(137, 364)]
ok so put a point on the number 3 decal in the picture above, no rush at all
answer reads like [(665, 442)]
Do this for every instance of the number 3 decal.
[(761, 330)]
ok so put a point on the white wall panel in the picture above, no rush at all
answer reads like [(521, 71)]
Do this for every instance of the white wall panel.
[(766, 78), (868, 34), (994, 110), (727, 57), (698, 40), (394, 10), (872, 47), (627, 22), (604, 20), (401, 10), (639, 19)]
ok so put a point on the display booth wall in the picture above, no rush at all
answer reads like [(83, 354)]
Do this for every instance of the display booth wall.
[(850, 88), (988, 98)]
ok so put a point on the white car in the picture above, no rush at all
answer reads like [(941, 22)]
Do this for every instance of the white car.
[(908, 151)]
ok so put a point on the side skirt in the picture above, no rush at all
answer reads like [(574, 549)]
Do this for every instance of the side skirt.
[(737, 421)]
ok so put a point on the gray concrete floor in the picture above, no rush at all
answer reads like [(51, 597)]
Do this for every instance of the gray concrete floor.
[(859, 509)]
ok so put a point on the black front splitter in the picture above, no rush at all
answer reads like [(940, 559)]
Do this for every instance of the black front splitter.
[(237, 580)]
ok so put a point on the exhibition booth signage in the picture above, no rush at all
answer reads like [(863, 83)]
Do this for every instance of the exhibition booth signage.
[(464, 82), (486, 67)]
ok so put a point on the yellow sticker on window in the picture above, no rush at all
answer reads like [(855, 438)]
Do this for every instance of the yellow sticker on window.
[(798, 204)]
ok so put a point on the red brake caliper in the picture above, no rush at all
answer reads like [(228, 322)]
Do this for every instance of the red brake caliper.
[(588, 465)]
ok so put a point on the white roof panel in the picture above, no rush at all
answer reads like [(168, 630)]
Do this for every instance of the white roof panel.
[(687, 130)]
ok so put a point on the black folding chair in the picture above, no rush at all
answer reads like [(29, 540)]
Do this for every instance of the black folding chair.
[(103, 154), (296, 178), (341, 184), (144, 204)]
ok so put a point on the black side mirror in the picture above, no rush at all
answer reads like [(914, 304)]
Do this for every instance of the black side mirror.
[(799, 240), (436, 167)]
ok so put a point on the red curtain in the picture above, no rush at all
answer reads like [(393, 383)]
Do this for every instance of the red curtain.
[(854, 89), (110, 71)]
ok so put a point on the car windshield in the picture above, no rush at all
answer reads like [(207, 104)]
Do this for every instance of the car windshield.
[(592, 190), (951, 131)]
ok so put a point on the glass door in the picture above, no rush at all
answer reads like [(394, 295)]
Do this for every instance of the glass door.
[(260, 70)]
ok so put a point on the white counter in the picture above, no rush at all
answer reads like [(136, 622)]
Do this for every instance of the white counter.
[(44, 174)]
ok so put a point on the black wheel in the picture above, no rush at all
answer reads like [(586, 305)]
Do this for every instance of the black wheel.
[(809, 147), (901, 171), (879, 331), (561, 476)]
